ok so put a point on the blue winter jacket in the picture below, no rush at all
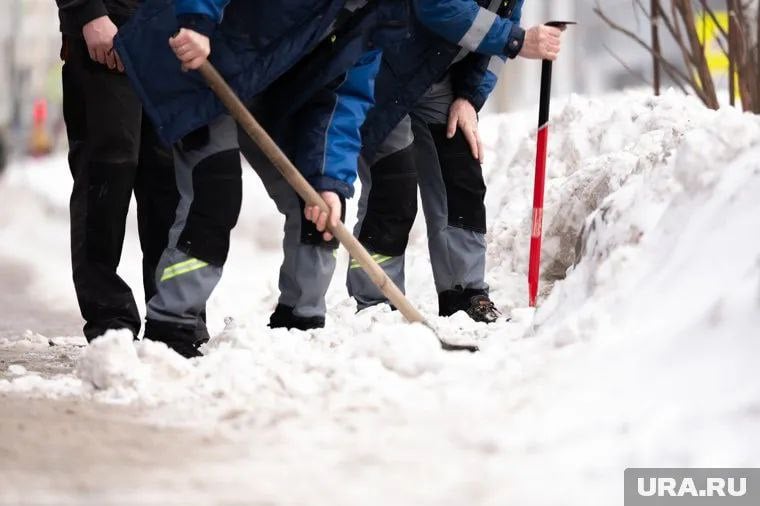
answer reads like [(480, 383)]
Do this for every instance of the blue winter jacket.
[(254, 42), (441, 30)]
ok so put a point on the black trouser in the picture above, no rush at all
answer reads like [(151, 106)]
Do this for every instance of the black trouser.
[(452, 191), (113, 151)]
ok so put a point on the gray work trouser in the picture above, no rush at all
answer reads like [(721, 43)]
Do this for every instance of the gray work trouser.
[(309, 262), (452, 191), (208, 173), (190, 269)]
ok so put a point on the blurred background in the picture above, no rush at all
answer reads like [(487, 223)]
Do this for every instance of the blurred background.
[(30, 67)]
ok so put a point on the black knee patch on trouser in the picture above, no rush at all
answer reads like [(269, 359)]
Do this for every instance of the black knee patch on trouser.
[(217, 197), (313, 237), (463, 178), (392, 204)]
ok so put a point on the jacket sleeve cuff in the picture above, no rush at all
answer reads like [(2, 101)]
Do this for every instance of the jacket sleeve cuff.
[(515, 41), (328, 184), (197, 23), (476, 99), (93, 9)]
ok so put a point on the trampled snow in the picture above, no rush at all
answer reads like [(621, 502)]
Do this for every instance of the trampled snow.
[(643, 352)]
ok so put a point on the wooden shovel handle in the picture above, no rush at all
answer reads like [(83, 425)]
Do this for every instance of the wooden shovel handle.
[(252, 127)]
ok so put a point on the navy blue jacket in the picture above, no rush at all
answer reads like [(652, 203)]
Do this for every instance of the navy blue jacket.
[(254, 44), (409, 69)]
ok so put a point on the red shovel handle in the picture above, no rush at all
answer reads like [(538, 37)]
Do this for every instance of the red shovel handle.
[(534, 266), (538, 214)]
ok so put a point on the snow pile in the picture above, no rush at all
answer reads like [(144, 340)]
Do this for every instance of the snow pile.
[(678, 232), (642, 353), (113, 363), (597, 146), (664, 300)]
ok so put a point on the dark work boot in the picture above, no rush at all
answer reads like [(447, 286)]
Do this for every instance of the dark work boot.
[(283, 318), (474, 302), (482, 309), (184, 340)]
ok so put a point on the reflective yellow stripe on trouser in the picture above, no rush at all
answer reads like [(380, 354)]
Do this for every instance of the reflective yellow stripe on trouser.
[(377, 257), (182, 268)]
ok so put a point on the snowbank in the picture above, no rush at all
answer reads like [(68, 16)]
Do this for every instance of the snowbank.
[(642, 353)]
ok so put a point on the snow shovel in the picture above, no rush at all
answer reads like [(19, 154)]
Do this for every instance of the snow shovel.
[(534, 265), (291, 174)]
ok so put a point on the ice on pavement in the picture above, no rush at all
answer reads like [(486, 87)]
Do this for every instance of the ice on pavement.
[(643, 352)]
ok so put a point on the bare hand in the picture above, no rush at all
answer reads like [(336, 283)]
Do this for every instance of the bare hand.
[(462, 115), (192, 48), (98, 35), (541, 43), (320, 218)]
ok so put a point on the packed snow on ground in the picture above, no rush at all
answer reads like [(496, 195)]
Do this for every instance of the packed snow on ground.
[(643, 352)]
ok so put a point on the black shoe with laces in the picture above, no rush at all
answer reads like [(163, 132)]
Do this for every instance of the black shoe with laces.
[(474, 302), (482, 309)]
